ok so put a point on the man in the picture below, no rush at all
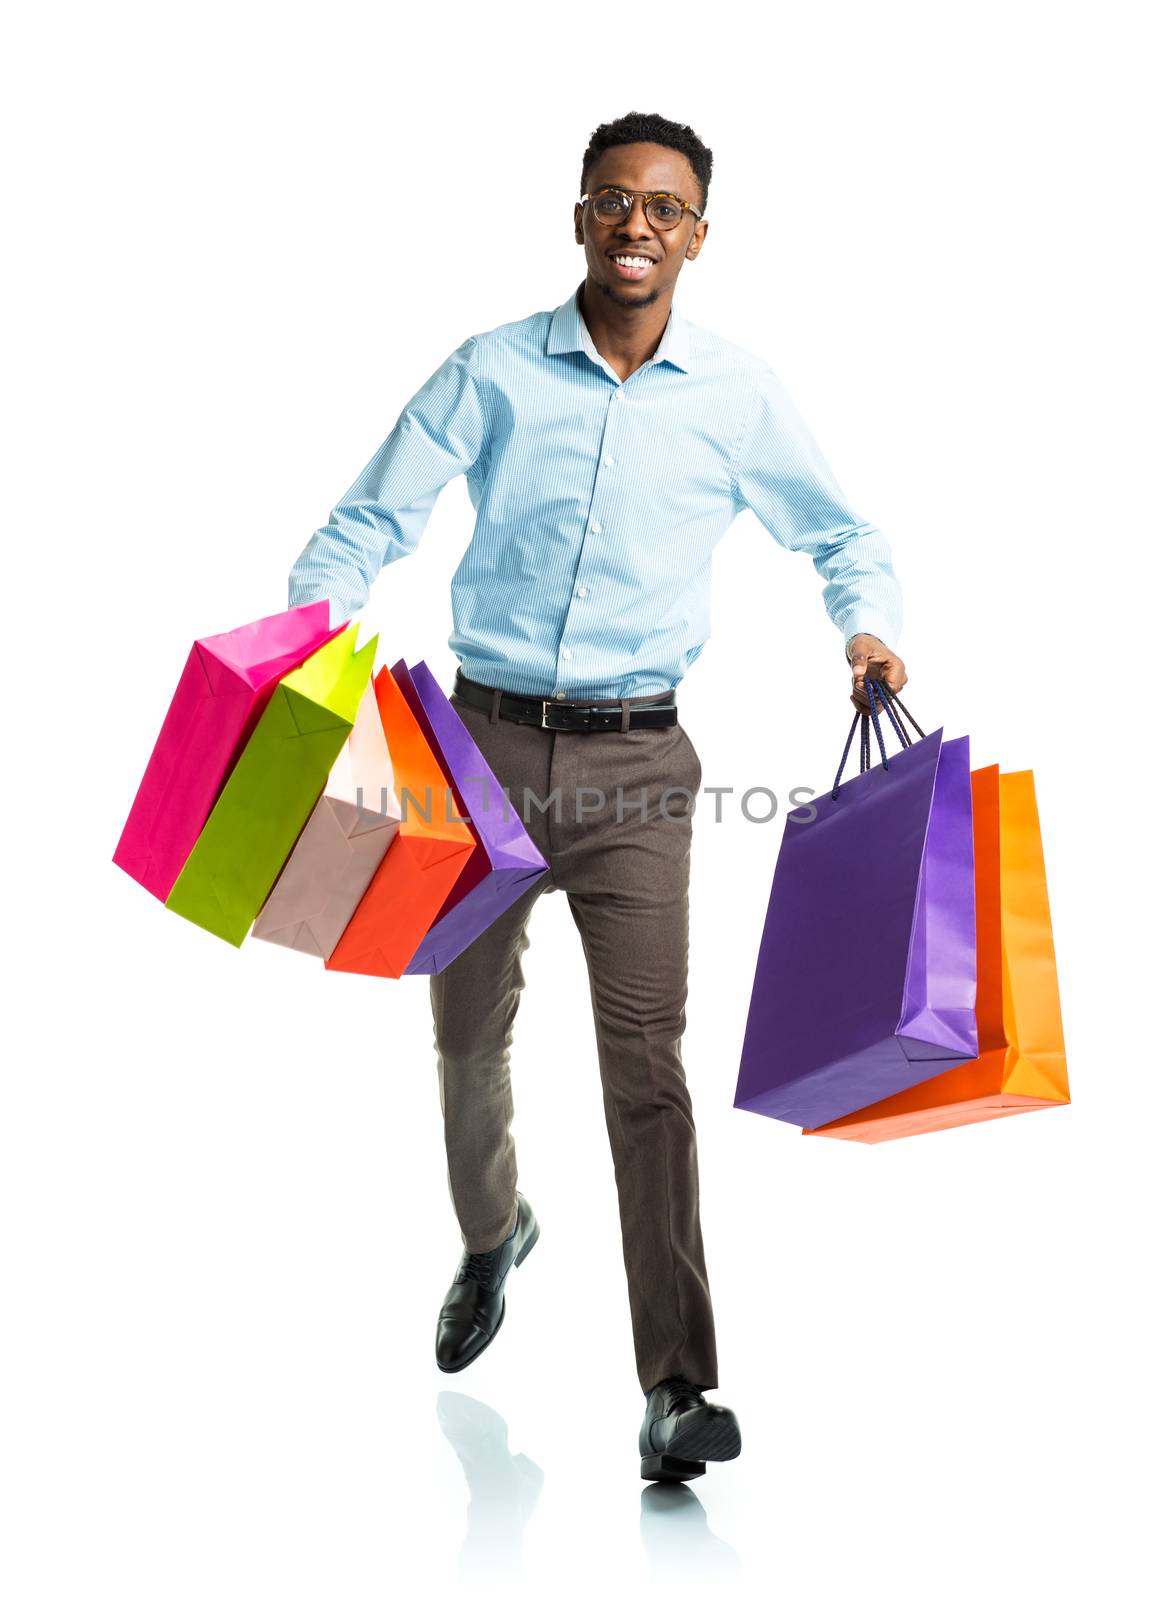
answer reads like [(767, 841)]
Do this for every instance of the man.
[(608, 446)]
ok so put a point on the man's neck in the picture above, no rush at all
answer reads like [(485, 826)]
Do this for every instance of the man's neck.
[(625, 336)]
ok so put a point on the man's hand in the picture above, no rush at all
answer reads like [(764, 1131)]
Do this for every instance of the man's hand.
[(868, 655)]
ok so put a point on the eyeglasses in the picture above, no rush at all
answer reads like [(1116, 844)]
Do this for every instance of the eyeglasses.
[(663, 211)]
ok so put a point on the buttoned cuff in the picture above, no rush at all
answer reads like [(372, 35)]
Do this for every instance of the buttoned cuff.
[(870, 622)]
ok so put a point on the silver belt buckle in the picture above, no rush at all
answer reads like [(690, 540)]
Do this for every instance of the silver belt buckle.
[(559, 727)]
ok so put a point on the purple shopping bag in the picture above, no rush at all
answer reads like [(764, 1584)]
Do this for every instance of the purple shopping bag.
[(505, 861), (865, 981)]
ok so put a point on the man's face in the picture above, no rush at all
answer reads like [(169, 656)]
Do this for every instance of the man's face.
[(646, 168)]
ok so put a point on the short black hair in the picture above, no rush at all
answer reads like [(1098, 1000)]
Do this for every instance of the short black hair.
[(646, 127)]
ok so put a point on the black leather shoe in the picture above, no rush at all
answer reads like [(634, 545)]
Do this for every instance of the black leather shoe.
[(476, 1302), (681, 1430)]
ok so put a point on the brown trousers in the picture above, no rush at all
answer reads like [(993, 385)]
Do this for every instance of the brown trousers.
[(626, 881)]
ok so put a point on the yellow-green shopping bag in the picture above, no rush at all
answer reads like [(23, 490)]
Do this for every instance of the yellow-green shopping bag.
[(271, 793)]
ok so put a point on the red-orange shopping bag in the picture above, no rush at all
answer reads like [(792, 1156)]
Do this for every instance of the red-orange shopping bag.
[(432, 848)]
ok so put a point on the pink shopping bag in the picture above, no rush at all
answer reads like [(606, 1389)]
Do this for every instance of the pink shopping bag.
[(226, 683)]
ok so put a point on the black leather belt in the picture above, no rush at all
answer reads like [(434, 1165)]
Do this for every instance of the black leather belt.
[(572, 716)]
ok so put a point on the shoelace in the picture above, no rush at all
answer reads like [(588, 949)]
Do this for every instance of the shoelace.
[(480, 1266), (679, 1395)]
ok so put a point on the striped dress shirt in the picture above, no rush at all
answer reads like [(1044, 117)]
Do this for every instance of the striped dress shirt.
[(599, 503)]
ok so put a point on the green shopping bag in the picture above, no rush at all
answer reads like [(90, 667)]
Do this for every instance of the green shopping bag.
[(269, 796)]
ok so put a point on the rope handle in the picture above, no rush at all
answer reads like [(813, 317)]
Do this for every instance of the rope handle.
[(897, 704), (877, 693)]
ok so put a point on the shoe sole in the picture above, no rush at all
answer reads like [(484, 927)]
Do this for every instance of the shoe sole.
[(481, 1349), (703, 1439), (669, 1469)]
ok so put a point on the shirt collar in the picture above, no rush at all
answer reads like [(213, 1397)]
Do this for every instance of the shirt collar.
[(568, 331)]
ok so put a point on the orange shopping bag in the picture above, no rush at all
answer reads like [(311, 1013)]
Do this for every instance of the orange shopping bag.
[(1021, 1065), (431, 850)]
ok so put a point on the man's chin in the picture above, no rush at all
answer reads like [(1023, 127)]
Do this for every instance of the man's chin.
[(619, 298)]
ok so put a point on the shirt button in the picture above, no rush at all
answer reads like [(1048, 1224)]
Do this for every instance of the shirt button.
[(561, 695), (596, 527), (608, 461), (566, 653), (582, 591)]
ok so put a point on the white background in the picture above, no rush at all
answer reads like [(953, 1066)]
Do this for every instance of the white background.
[(239, 238)]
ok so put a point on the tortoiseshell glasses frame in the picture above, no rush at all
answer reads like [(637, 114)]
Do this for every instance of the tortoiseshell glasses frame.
[(628, 196)]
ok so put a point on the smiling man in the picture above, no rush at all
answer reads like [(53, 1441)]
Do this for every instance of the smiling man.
[(608, 446)]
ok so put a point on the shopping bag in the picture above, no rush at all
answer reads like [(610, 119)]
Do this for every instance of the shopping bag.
[(270, 794), (343, 842), (865, 979), (224, 688), (432, 848), (505, 860), (1021, 1064)]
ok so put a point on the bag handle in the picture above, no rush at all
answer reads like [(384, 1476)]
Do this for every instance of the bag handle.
[(877, 693), (894, 705)]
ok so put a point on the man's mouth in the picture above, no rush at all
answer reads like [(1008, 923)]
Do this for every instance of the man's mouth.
[(632, 266)]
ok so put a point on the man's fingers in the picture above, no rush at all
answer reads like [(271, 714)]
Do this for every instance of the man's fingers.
[(886, 668), (877, 662), (870, 665), (862, 700)]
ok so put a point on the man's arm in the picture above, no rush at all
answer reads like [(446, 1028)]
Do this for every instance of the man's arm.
[(438, 436), (780, 474)]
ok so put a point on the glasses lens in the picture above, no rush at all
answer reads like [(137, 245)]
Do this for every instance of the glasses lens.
[(664, 212), (611, 205)]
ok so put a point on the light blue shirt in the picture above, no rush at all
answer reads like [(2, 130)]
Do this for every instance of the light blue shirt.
[(599, 505)]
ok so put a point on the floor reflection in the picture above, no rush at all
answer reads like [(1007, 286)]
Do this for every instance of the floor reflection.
[(503, 1488), (674, 1528)]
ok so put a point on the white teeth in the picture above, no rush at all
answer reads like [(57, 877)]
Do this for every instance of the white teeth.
[(632, 261)]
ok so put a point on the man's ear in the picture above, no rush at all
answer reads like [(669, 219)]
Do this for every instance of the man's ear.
[(696, 243)]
